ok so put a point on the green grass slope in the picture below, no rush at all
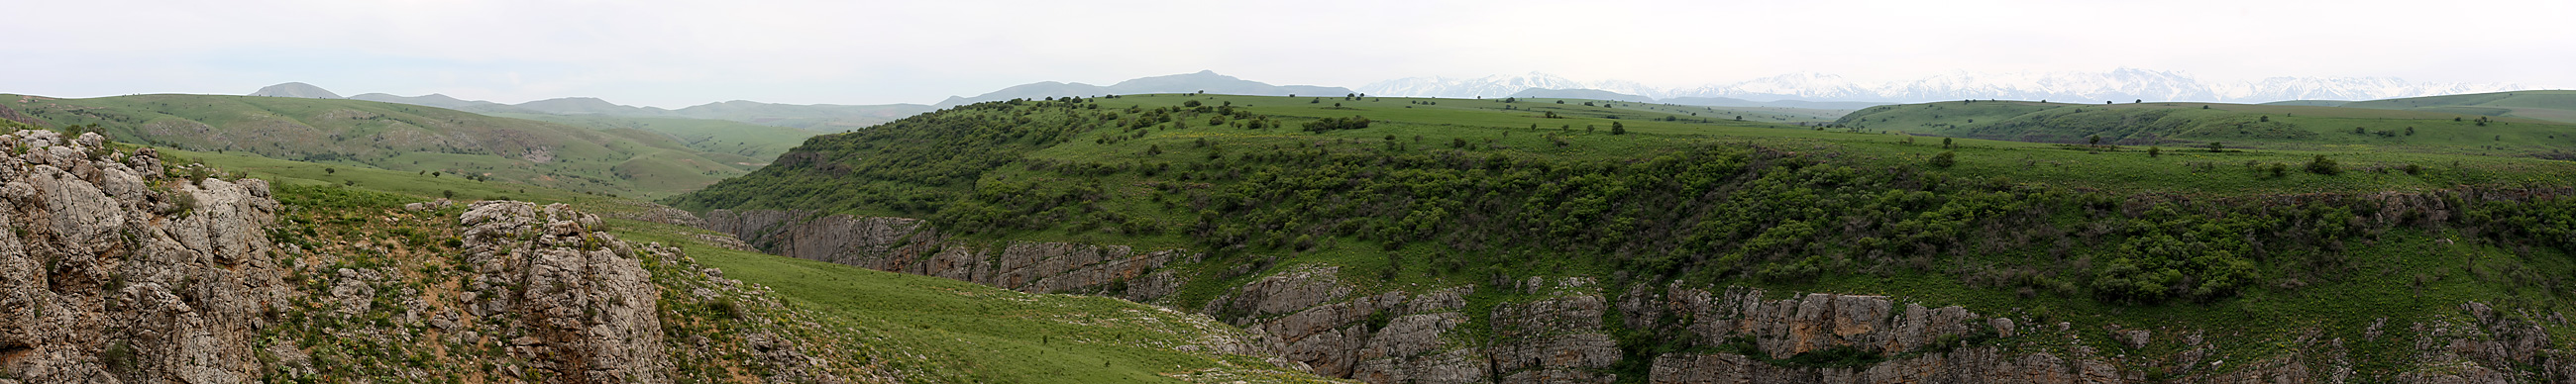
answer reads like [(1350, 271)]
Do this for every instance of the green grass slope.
[(2311, 103), (2307, 232), (399, 137), (2555, 105), (757, 143), (925, 328), (2239, 125)]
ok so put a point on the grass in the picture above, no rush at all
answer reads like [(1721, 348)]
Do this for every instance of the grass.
[(2308, 128), (989, 334), (757, 144), (2551, 105)]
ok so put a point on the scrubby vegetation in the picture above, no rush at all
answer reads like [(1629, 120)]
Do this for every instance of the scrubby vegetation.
[(1474, 191)]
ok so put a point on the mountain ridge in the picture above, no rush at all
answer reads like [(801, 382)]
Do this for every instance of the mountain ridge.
[(1201, 81), (814, 117)]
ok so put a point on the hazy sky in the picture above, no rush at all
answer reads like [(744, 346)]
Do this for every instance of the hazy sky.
[(680, 53)]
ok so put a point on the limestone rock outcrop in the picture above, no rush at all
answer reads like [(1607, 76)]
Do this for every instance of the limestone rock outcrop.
[(583, 297), (113, 271), (912, 246)]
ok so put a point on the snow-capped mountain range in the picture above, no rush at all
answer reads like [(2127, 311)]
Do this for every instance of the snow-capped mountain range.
[(2124, 85)]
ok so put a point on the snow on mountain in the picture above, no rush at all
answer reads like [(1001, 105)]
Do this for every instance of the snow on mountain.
[(1488, 86), (2123, 85), (1798, 86)]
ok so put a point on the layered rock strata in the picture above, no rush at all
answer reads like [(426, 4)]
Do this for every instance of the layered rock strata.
[(912, 246)]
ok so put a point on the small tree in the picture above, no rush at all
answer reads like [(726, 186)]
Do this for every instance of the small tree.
[(1618, 129), (2410, 131), (2265, 119), (1154, 150), (2323, 166), (2216, 147), (1945, 143), (2279, 170), (2096, 139), (1944, 160), (2155, 152)]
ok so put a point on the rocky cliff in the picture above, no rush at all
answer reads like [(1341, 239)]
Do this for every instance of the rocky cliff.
[(113, 272), (1577, 330), (912, 246)]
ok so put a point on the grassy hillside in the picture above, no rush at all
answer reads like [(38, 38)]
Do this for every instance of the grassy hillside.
[(975, 333), (758, 143), (2310, 230), (815, 117), (2557, 106), (400, 137), (2311, 103), (2332, 129), (919, 329)]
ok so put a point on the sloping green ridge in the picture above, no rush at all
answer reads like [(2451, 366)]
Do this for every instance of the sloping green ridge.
[(1415, 194), (399, 137), (2196, 124), (2552, 105), (751, 145)]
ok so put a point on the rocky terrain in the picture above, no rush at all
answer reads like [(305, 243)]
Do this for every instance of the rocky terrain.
[(1579, 330), (911, 246), (121, 269)]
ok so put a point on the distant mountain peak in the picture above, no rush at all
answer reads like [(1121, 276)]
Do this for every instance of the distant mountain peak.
[(294, 89)]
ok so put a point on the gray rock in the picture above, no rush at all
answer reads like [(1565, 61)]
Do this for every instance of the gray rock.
[(102, 257), (586, 302)]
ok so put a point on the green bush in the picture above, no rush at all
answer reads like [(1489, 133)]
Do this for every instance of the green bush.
[(2323, 166)]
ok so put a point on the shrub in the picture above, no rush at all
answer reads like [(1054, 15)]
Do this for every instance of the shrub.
[(2323, 166), (1944, 160), (1337, 123)]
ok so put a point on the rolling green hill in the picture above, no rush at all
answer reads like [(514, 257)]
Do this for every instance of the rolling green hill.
[(2557, 106), (758, 142), (2311, 103), (2239, 125), (2314, 233), (402, 137)]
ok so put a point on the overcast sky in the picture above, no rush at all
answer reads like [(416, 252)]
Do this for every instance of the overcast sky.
[(680, 53)]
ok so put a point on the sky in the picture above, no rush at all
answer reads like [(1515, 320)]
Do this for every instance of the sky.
[(679, 53)]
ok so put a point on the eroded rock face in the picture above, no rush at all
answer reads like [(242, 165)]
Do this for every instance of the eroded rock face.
[(112, 272), (912, 246), (582, 297)]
